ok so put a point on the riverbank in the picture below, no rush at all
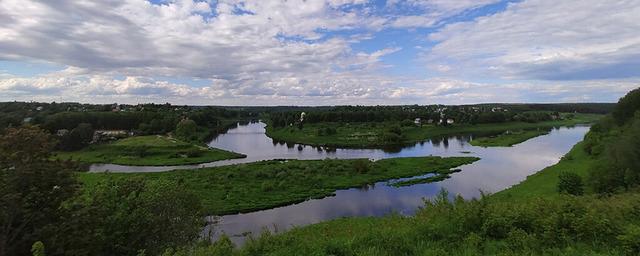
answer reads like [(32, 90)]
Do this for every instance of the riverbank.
[(152, 150), (368, 135), (530, 218), (268, 184), (544, 183), (509, 138)]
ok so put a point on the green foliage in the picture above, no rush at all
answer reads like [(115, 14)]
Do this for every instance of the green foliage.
[(37, 249), (565, 225), (627, 107), (570, 183), (32, 189), (618, 167), (148, 150), (128, 216), (508, 139), (243, 187), (630, 239), (187, 130), (361, 165), (406, 123), (381, 134), (77, 138)]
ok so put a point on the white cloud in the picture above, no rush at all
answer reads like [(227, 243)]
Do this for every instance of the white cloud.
[(547, 40), (285, 52), (433, 11)]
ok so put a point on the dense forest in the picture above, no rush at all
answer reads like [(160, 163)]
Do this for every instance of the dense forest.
[(466, 114)]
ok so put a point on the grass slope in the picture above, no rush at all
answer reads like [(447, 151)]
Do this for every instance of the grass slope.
[(354, 135), (148, 150), (268, 184), (544, 183)]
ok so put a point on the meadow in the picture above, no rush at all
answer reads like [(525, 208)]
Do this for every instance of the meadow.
[(372, 134), (152, 150), (268, 184)]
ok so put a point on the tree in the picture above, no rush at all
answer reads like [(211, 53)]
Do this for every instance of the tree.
[(32, 188), (77, 138), (570, 183), (128, 216), (187, 129), (627, 106)]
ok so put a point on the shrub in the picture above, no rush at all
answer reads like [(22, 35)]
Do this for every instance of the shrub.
[(361, 166), (570, 183), (630, 239)]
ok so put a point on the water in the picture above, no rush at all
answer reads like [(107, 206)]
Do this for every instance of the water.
[(499, 168)]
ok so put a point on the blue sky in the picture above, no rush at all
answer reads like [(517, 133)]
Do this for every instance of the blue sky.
[(321, 52)]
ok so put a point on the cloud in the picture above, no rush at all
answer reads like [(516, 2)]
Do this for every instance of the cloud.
[(310, 52), (432, 11), (546, 40), (317, 89)]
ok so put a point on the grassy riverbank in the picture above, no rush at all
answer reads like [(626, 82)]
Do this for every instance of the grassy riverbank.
[(509, 138), (531, 218), (544, 183), (353, 135), (267, 184), (148, 150)]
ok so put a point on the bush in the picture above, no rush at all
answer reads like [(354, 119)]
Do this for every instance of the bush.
[(406, 123), (194, 153), (361, 166), (630, 239), (570, 183), (187, 130)]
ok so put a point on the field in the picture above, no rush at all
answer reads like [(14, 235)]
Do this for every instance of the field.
[(508, 139), (267, 184), (368, 135), (148, 150)]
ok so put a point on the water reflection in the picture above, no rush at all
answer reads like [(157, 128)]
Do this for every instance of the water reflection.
[(498, 169)]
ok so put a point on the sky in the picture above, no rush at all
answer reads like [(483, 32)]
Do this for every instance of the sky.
[(318, 52)]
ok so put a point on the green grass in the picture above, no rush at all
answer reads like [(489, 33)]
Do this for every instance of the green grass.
[(544, 183), (367, 135), (439, 175), (508, 139), (587, 225), (268, 184), (154, 150)]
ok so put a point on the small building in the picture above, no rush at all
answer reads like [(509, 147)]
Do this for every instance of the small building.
[(40, 108), (417, 121), (450, 121), (62, 132), (108, 135)]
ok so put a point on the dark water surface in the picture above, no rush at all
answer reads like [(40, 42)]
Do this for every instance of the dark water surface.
[(499, 168)]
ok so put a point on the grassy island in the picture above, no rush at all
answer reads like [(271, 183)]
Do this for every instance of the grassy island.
[(268, 184), (370, 134), (153, 150), (508, 139)]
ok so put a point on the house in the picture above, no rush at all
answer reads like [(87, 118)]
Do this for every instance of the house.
[(40, 108), (62, 132), (417, 121), (107, 135), (449, 121)]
